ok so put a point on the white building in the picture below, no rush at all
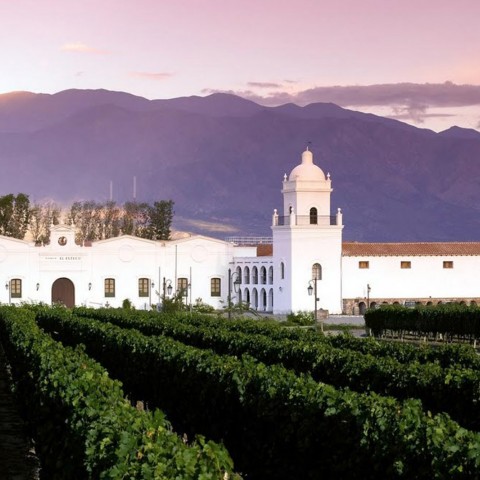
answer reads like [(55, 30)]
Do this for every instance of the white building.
[(306, 251)]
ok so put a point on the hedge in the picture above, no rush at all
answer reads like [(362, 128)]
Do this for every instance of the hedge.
[(83, 425), (277, 424), (454, 390), (448, 320), (446, 355)]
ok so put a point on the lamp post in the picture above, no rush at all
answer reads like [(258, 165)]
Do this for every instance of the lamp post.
[(167, 289), (236, 282), (189, 296), (152, 286), (313, 289), (368, 295), (7, 286)]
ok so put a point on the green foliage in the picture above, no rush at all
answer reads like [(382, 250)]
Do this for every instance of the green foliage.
[(174, 304), (14, 215), (96, 221), (236, 309), (147, 221), (276, 423), (200, 307), (127, 304), (301, 318), (161, 216), (83, 426), (447, 320), (315, 354), (42, 216)]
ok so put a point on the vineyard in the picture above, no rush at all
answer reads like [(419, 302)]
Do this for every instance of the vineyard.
[(133, 394)]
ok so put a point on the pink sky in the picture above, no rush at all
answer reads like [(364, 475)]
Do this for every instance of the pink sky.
[(399, 53)]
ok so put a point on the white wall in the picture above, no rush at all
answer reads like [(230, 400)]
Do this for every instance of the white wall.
[(125, 259), (426, 277), (300, 248)]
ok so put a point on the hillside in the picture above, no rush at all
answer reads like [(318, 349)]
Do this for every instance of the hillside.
[(222, 160)]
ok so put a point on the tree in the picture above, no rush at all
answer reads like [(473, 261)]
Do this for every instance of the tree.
[(136, 219), (42, 217), (146, 221), (110, 218), (14, 215), (86, 217), (95, 221), (161, 215)]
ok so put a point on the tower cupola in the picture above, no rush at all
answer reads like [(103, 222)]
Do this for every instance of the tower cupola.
[(307, 189), (307, 170)]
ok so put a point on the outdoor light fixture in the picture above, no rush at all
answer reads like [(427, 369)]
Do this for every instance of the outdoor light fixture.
[(90, 285), (167, 287), (38, 286), (313, 289), (6, 286), (236, 284)]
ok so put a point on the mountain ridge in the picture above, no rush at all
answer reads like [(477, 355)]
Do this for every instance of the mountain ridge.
[(222, 158)]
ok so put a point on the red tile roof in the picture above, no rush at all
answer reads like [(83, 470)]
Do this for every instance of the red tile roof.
[(357, 249), (265, 250)]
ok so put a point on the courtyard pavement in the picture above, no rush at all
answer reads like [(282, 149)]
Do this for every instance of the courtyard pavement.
[(345, 320)]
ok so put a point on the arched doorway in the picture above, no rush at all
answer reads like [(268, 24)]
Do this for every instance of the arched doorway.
[(63, 291), (255, 299), (362, 308)]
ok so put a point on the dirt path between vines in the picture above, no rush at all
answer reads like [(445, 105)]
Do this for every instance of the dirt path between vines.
[(17, 459)]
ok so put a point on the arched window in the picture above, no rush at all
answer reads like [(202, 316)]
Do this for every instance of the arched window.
[(263, 275), (313, 216), (109, 287), (246, 275), (15, 288), (254, 275), (316, 271), (182, 286), (270, 275), (263, 299), (143, 287), (239, 275), (255, 299), (282, 270), (215, 287)]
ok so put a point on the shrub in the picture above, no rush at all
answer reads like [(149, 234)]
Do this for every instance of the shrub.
[(301, 318), (202, 307), (127, 304)]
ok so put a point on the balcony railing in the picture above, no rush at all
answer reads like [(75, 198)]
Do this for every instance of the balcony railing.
[(302, 220)]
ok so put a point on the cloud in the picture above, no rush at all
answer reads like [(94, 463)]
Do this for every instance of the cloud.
[(210, 226), (413, 95), (264, 85), (82, 48), (152, 75), (406, 100)]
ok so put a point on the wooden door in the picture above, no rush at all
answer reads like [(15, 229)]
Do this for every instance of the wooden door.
[(63, 291)]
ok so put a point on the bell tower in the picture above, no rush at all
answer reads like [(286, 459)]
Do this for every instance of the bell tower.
[(307, 187), (307, 242)]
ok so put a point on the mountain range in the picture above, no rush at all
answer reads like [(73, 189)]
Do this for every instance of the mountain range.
[(222, 159)]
